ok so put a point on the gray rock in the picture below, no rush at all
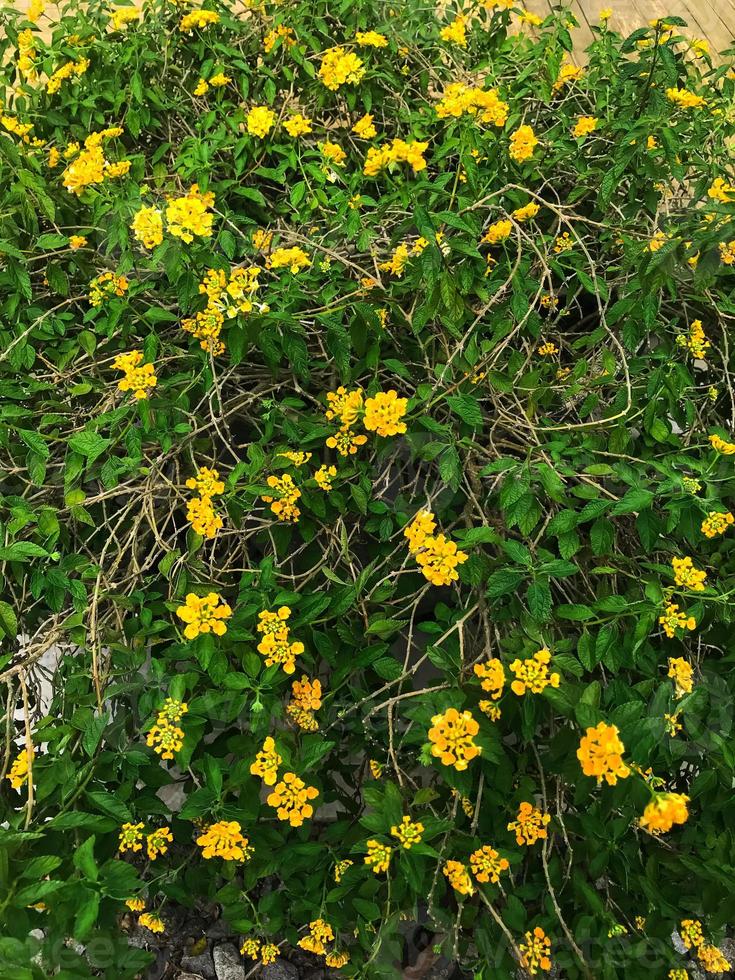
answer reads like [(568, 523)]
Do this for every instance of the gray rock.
[(188, 976), (280, 970), (440, 972), (201, 965), (727, 948), (228, 963), (219, 929)]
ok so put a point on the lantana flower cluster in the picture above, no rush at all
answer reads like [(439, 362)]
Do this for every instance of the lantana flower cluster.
[(203, 615), (452, 736), (532, 674), (104, 287), (306, 699), (530, 825), (318, 940), (340, 67), (164, 735), (292, 799), (18, 774), (437, 557), (186, 217), (139, 378), (276, 644), (383, 413), (397, 151), (485, 104), (88, 165), (132, 836), (224, 839), (601, 754)]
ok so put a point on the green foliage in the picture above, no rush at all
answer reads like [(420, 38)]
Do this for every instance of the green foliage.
[(570, 479)]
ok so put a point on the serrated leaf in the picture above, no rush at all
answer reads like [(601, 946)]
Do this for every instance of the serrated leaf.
[(632, 502), (576, 613), (93, 733), (538, 597), (22, 551), (83, 859), (384, 627), (86, 916), (89, 444), (388, 668), (467, 408), (504, 581)]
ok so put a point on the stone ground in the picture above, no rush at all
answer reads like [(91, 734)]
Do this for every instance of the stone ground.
[(218, 958), (199, 946)]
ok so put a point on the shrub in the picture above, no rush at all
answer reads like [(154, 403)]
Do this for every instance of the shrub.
[(366, 549)]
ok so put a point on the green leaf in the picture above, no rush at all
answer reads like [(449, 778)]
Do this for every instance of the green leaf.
[(450, 467), (8, 620), (385, 627), (227, 242), (576, 613), (35, 442), (586, 651), (155, 314), (22, 551), (93, 733), (467, 408), (87, 911), (36, 892), (569, 544), (7, 249), (504, 581), (477, 535), (84, 859), (89, 444), (40, 867), (388, 668), (298, 191), (109, 804), (314, 750), (633, 501), (251, 194), (602, 536), (538, 597), (367, 910), (518, 552), (559, 568), (51, 240)]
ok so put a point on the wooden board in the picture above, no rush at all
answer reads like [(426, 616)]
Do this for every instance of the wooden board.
[(713, 20)]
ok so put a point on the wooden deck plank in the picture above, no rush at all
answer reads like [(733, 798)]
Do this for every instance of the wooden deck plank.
[(703, 21), (728, 13), (710, 19), (625, 19), (695, 28), (582, 35), (713, 20), (717, 22)]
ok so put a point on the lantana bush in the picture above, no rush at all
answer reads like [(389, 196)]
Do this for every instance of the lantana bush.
[(366, 426)]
